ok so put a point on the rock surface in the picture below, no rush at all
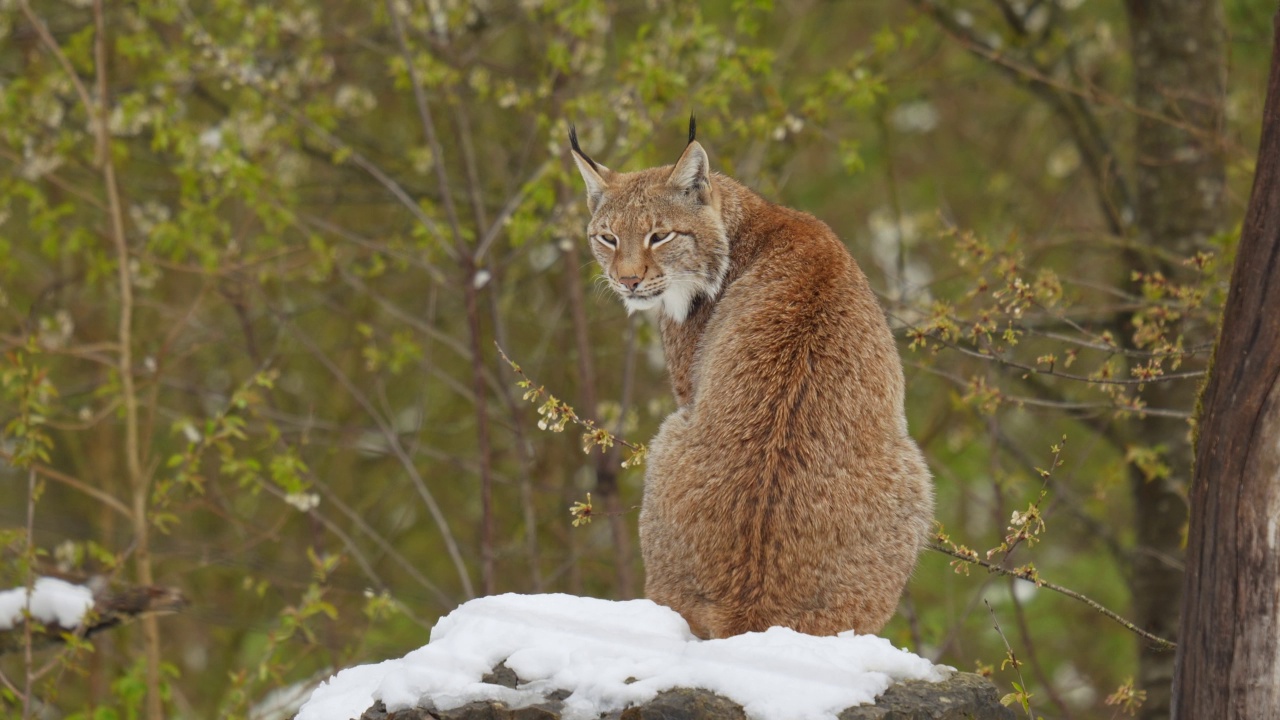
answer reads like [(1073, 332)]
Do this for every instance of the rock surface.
[(964, 696), (961, 697)]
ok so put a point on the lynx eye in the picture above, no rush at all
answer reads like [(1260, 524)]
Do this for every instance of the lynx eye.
[(607, 241), (657, 239)]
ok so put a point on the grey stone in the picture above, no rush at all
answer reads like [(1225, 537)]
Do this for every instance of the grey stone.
[(963, 696), (684, 703), (502, 675)]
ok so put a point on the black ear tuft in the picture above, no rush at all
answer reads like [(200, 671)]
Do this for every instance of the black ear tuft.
[(573, 142), (693, 127)]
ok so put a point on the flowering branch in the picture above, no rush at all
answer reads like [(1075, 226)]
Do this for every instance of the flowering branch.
[(1028, 525), (556, 414)]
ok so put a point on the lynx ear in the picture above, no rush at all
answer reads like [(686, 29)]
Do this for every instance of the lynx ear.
[(595, 175), (692, 173)]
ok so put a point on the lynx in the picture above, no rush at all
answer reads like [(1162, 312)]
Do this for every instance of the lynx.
[(784, 490)]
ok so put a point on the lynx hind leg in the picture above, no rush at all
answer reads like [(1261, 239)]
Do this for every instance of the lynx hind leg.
[(878, 560), (696, 612), (670, 565)]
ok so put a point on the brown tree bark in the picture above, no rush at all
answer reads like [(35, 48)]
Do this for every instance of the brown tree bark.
[(1227, 661), (1179, 74)]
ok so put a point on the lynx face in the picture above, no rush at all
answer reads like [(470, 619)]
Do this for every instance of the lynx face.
[(657, 233)]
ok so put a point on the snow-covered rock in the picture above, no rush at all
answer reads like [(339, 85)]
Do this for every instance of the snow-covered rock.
[(52, 602), (561, 656)]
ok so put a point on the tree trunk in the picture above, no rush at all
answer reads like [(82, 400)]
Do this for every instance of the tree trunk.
[(1179, 68), (1226, 663)]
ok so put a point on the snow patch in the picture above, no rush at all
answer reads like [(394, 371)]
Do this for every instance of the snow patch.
[(53, 601), (613, 654)]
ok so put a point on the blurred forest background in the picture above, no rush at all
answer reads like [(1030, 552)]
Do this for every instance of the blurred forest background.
[(255, 257)]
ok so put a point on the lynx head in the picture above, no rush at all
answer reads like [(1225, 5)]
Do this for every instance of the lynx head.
[(657, 233)]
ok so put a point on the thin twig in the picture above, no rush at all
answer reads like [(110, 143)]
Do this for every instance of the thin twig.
[(1013, 661), (417, 260), (1076, 410), (28, 666), (1015, 19), (69, 481), (495, 228), (397, 449), (537, 392), (488, 577), (1026, 529), (1052, 372), (364, 563), (54, 179), (1033, 657), (428, 128), (1031, 576), (52, 46), (1113, 194), (520, 441), (377, 173), (470, 272), (475, 192), (1066, 495), (8, 684), (138, 480), (606, 473)]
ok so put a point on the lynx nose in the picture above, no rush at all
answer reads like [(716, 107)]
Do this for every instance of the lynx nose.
[(631, 282)]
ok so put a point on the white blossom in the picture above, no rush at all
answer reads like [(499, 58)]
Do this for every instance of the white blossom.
[(354, 100), (918, 116), (56, 331), (1063, 161), (211, 139), (304, 502)]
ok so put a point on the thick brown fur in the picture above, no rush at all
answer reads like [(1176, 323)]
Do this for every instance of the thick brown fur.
[(785, 489)]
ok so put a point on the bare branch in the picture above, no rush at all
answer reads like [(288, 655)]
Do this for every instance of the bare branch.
[(469, 266), (1113, 194), (513, 204), (393, 442), (409, 568), (1013, 661), (428, 127), (50, 44), (1015, 20), (1024, 629), (1031, 576), (76, 483), (376, 172), (524, 454)]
